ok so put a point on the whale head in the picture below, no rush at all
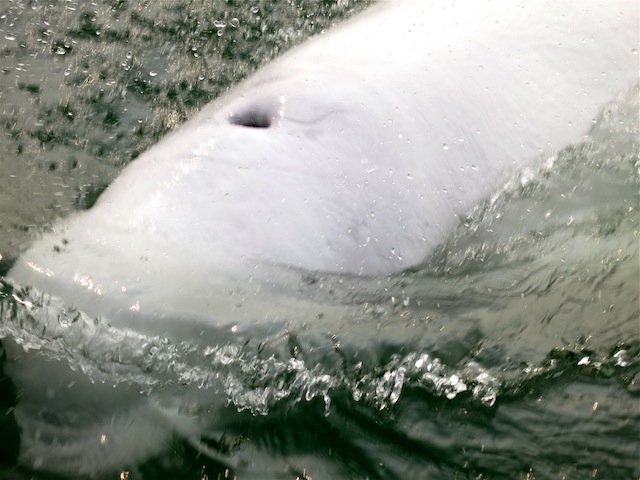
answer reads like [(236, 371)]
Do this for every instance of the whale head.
[(275, 177)]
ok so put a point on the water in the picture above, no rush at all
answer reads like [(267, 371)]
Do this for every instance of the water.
[(512, 352)]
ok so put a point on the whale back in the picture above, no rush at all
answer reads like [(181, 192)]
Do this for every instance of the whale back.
[(354, 153)]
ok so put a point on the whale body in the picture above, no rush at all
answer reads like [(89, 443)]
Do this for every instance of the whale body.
[(356, 153)]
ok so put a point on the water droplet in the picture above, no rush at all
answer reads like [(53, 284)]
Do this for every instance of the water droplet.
[(409, 176), (234, 22), (445, 146), (152, 73), (255, 9), (622, 358), (9, 36), (219, 24)]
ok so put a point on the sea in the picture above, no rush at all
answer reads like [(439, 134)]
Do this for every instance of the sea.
[(512, 352)]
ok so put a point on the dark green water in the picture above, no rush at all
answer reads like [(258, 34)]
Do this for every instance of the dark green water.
[(513, 352)]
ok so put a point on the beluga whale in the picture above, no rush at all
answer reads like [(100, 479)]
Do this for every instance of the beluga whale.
[(354, 154)]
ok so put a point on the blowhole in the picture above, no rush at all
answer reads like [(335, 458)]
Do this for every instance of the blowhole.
[(251, 119)]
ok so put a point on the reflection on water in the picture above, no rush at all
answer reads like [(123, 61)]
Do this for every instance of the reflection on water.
[(510, 353)]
